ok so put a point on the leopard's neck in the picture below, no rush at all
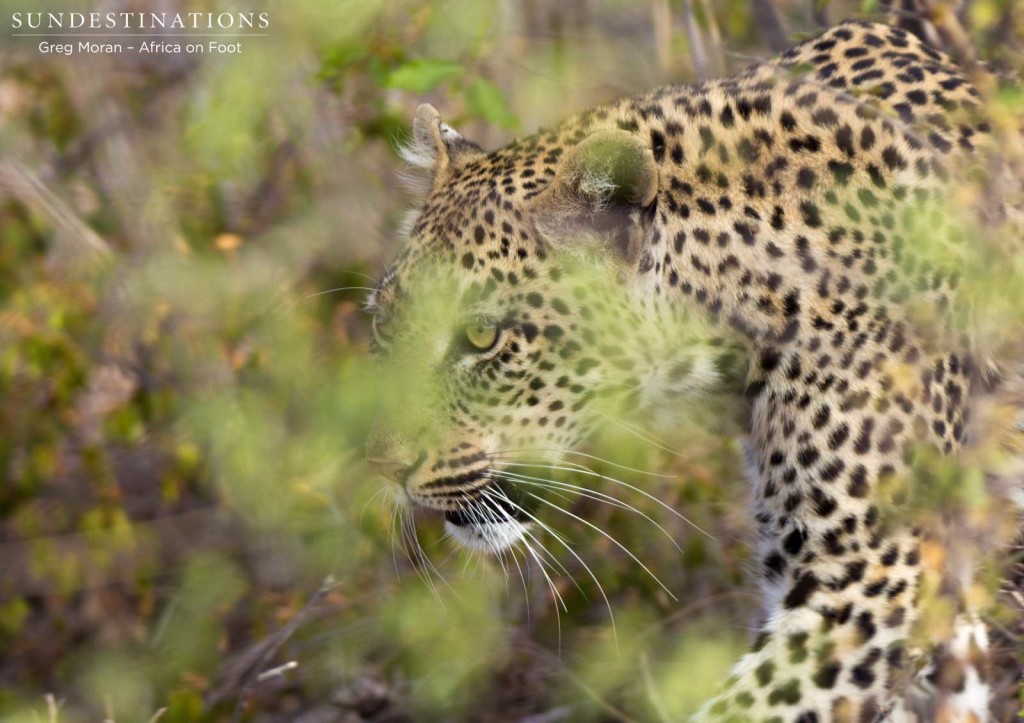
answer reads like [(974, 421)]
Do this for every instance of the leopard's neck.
[(776, 228)]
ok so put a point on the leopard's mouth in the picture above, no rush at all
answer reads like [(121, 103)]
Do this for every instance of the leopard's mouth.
[(492, 537), (493, 518), (492, 509), (482, 509)]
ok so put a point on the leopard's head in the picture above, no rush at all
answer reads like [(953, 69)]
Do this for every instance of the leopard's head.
[(520, 305)]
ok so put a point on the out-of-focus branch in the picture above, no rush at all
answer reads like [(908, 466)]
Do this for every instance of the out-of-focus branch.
[(819, 13), (268, 195), (912, 17), (769, 24), (120, 157), (696, 40), (943, 15), (714, 37), (77, 239), (248, 671), (661, 19), (937, 22)]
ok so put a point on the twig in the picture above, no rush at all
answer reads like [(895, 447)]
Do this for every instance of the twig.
[(268, 648), (277, 671), (52, 708), (20, 183)]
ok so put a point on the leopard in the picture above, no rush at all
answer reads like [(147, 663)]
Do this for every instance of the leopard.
[(621, 258)]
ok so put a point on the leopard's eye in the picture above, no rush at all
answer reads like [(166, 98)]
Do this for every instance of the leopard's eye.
[(481, 333), (379, 325)]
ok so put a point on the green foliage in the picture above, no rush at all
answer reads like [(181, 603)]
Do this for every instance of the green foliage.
[(487, 102), (466, 628), (419, 76)]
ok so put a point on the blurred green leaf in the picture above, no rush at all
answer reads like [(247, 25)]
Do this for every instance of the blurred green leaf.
[(121, 682), (338, 58), (13, 615), (488, 102), (422, 75)]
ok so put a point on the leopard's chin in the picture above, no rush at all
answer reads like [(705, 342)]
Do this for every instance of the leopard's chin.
[(491, 537), (490, 518)]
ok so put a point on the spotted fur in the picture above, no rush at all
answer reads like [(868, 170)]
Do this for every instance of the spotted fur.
[(779, 208)]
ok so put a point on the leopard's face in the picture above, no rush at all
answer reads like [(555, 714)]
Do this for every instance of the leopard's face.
[(494, 362), (514, 315)]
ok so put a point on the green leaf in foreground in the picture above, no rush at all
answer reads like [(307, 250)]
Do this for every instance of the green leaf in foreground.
[(487, 101), (422, 75)]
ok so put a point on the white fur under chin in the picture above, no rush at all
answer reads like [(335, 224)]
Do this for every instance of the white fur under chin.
[(493, 537)]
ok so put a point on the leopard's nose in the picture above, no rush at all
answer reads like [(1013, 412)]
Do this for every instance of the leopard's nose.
[(395, 469), (388, 452), (392, 470)]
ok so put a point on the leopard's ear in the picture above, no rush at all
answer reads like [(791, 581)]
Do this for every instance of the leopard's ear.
[(607, 170), (436, 147)]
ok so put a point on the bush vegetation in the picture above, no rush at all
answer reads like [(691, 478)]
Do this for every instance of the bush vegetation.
[(187, 528)]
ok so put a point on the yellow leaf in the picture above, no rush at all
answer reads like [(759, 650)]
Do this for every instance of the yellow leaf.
[(227, 242)]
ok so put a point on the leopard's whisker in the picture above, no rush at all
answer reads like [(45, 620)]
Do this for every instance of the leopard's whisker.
[(491, 516), (411, 547), (519, 478), (611, 615), (505, 498), (522, 578), (561, 568), (589, 472), (393, 536), (588, 494), (341, 288), (591, 494), (403, 529), (376, 496), (558, 538), (608, 537), (419, 559), (451, 553), (602, 460), (643, 435), (430, 564), (556, 597), (473, 555)]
